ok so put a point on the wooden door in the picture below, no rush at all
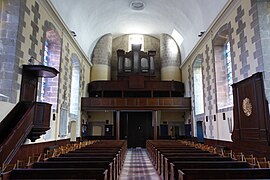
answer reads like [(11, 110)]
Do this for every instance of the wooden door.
[(200, 137), (136, 127)]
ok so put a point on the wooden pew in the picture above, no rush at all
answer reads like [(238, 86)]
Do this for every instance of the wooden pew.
[(228, 173), (166, 161), (179, 165), (77, 164), (115, 150), (89, 154), (109, 146), (72, 164), (160, 160), (110, 156), (153, 145), (99, 160), (60, 173), (102, 158), (198, 158)]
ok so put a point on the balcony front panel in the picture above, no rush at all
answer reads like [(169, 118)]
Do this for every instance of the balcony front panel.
[(176, 103)]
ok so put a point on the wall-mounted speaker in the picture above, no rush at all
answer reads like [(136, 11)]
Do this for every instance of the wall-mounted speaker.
[(224, 116)]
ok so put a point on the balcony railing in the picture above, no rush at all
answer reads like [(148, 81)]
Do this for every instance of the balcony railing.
[(176, 103)]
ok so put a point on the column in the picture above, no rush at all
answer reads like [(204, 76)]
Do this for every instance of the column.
[(117, 125), (154, 121)]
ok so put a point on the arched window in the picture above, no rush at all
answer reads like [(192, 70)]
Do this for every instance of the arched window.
[(223, 69), (75, 87), (198, 86), (49, 86), (229, 71), (136, 39), (51, 57), (45, 63)]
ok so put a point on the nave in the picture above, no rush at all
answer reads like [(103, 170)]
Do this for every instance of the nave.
[(162, 159), (137, 165)]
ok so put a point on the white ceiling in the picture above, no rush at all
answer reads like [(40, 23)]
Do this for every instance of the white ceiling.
[(91, 19)]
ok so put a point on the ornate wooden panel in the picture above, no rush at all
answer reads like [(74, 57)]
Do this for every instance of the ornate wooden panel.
[(251, 115), (179, 103)]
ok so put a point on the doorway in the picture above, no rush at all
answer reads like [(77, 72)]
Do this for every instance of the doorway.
[(136, 128), (200, 132)]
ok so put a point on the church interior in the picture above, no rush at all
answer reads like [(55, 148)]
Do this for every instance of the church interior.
[(134, 89)]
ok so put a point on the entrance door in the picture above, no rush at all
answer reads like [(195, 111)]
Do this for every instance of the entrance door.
[(199, 131), (136, 127)]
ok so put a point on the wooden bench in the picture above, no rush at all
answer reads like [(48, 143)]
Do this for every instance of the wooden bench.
[(179, 165), (164, 164), (115, 165), (72, 164), (164, 170), (161, 162), (229, 173), (77, 164), (100, 160), (60, 173), (89, 154)]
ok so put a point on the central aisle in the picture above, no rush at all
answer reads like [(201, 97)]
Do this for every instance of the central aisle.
[(138, 166)]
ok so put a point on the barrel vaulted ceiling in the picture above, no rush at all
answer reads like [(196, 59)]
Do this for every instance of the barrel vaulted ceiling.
[(91, 19)]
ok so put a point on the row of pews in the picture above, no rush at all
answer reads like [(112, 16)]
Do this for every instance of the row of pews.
[(177, 160), (102, 160)]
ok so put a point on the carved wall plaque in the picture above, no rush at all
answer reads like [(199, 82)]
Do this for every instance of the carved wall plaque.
[(247, 106)]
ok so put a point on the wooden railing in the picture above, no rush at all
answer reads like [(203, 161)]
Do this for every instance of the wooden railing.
[(123, 85), (26, 120), (179, 103), (17, 135)]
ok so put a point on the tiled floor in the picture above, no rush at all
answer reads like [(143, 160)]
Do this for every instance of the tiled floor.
[(137, 166)]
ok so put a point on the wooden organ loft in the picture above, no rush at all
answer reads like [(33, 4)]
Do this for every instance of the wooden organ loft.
[(135, 90)]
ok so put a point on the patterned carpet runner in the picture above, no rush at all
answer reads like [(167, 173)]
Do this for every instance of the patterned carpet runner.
[(137, 166)]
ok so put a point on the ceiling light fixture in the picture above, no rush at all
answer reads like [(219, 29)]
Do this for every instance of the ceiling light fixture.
[(137, 5)]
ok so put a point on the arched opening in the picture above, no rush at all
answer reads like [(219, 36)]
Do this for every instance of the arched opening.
[(198, 86), (51, 57), (75, 91), (223, 69)]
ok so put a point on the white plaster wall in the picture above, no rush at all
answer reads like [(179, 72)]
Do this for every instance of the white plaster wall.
[(170, 73), (6, 107), (100, 72)]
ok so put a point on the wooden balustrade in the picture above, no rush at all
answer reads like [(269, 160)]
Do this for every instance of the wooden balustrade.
[(136, 103)]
